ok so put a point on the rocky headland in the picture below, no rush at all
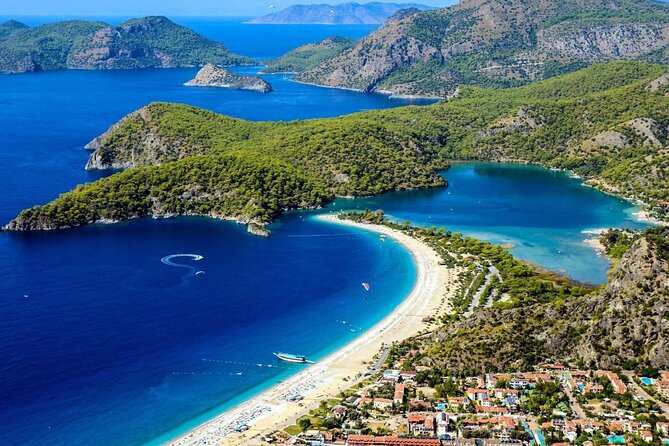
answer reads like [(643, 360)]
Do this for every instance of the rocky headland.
[(214, 76)]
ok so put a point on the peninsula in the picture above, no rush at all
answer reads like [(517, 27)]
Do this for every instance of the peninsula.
[(148, 42), (342, 14), (214, 76), (188, 161)]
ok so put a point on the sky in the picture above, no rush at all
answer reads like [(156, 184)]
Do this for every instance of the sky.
[(102, 8)]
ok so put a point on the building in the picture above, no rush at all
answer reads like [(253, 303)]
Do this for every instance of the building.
[(382, 403), (368, 440), (398, 398), (421, 424), (391, 376), (443, 423), (477, 394)]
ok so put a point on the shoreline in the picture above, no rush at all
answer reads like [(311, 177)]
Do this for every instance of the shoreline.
[(269, 411)]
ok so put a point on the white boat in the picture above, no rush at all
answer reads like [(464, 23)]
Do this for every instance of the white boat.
[(293, 358)]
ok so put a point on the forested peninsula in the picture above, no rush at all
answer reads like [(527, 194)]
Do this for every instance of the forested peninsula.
[(607, 123), (147, 42)]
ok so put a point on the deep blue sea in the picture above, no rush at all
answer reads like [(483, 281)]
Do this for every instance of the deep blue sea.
[(102, 343)]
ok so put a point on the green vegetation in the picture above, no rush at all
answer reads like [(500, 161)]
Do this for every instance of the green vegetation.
[(554, 123), (522, 282), (252, 190), (310, 55), (133, 44), (544, 316), (497, 43), (617, 242)]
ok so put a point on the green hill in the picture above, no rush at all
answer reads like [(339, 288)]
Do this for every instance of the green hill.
[(310, 55), (607, 122), (138, 43)]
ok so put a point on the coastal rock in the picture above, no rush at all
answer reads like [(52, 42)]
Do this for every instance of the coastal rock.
[(256, 229), (213, 76)]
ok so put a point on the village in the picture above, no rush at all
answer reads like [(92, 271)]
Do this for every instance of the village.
[(554, 404)]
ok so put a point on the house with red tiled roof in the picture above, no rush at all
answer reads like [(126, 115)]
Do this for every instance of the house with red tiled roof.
[(617, 384), (369, 440), (491, 410), (421, 424), (382, 403), (504, 393), (398, 397), (663, 427), (593, 388), (457, 402), (475, 394), (408, 375), (646, 436)]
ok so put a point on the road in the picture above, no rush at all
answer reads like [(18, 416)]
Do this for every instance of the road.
[(664, 407), (578, 410), (476, 300)]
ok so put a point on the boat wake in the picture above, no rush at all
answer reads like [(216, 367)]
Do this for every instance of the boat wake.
[(192, 271)]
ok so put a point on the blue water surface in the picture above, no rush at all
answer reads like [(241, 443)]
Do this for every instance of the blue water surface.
[(260, 41), (545, 215), (102, 343)]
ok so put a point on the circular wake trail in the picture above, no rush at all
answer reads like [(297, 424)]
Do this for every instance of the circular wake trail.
[(192, 271)]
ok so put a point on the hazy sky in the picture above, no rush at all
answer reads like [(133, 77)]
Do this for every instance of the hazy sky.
[(162, 7)]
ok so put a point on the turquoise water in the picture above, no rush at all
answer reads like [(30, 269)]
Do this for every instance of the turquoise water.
[(647, 381), (545, 215), (102, 343), (616, 439)]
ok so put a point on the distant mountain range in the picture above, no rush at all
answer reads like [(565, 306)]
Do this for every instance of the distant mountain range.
[(138, 43), (344, 14), (496, 43)]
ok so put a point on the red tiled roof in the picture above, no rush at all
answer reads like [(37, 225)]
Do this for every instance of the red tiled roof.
[(368, 440), (416, 417)]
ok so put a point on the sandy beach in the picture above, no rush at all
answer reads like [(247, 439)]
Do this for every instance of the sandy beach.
[(434, 289)]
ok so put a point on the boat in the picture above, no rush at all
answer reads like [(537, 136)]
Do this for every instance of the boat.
[(366, 286), (293, 358)]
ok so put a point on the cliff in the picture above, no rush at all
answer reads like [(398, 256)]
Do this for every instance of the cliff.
[(138, 43), (345, 14), (496, 43), (213, 76)]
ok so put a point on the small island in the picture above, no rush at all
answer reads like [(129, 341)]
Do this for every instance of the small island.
[(214, 76)]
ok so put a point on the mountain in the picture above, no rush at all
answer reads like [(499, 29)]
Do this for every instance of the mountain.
[(621, 325), (309, 55), (345, 14), (496, 43), (138, 43), (609, 123)]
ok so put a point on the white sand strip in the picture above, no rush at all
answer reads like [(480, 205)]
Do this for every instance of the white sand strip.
[(434, 290)]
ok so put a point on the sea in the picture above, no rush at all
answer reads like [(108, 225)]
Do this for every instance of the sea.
[(135, 332)]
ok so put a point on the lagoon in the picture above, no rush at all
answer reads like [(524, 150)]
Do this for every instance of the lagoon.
[(101, 342)]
